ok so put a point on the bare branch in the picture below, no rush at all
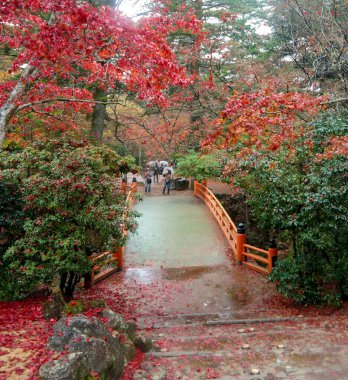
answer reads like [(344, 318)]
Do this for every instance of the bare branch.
[(335, 101)]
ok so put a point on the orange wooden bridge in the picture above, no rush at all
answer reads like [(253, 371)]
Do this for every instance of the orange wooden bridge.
[(258, 259)]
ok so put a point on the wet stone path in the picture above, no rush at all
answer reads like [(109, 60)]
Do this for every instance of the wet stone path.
[(208, 317)]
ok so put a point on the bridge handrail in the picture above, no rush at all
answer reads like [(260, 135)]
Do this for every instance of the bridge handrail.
[(235, 237), (224, 220), (118, 255)]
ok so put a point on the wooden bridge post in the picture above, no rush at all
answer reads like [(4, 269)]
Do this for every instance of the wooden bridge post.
[(119, 256), (241, 240), (135, 185), (195, 187), (123, 185), (272, 255), (88, 280)]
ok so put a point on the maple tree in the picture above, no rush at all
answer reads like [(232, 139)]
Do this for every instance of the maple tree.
[(62, 49), (230, 55), (263, 118)]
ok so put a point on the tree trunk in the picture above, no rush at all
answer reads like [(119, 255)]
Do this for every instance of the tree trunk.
[(98, 116), (9, 108), (68, 282)]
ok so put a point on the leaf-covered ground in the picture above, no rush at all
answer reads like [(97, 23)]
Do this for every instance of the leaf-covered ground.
[(24, 332)]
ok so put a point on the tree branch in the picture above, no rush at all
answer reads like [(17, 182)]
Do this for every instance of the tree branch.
[(335, 101), (64, 100)]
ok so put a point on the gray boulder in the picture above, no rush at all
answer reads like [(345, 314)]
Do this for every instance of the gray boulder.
[(68, 329), (117, 322), (70, 367), (131, 331), (182, 184), (79, 334), (129, 350), (54, 308)]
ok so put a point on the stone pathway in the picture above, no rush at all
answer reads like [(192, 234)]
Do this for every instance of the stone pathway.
[(209, 318)]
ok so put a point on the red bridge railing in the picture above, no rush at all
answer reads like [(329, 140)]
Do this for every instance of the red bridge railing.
[(107, 263), (258, 259)]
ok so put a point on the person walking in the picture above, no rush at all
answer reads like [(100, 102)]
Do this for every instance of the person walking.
[(156, 172), (167, 174), (147, 179)]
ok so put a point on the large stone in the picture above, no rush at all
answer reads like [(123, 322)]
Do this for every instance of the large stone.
[(68, 329), (115, 321), (104, 353), (182, 184), (131, 331), (145, 344), (53, 308), (70, 367), (129, 350), (140, 375), (159, 374), (104, 357)]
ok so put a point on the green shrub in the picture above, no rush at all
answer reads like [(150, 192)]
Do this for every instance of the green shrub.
[(71, 208), (301, 191), (199, 166)]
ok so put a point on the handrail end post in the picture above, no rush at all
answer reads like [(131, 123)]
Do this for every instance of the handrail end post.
[(88, 280), (241, 240), (195, 187), (119, 257), (272, 254)]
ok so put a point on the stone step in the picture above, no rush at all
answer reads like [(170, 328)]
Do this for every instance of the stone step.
[(306, 364), (197, 331), (165, 321), (213, 345), (277, 341)]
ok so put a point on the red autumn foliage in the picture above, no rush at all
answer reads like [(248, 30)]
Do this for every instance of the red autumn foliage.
[(66, 46), (263, 119), (23, 328)]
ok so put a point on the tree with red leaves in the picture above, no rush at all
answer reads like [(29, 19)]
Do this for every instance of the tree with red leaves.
[(63, 49), (263, 118)]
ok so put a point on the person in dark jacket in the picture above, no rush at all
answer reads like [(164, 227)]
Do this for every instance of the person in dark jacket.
[(156, 171)]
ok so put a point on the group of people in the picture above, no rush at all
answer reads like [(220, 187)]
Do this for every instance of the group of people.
[(154, 172)]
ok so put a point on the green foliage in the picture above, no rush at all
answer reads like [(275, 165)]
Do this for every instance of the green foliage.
[(302, 191), (11, 229), (199, 166), (128, 164), (80, 306), (309, 281), (74, 307), (71, 210)]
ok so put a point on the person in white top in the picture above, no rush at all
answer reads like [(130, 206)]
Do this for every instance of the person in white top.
[(168, 175)]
